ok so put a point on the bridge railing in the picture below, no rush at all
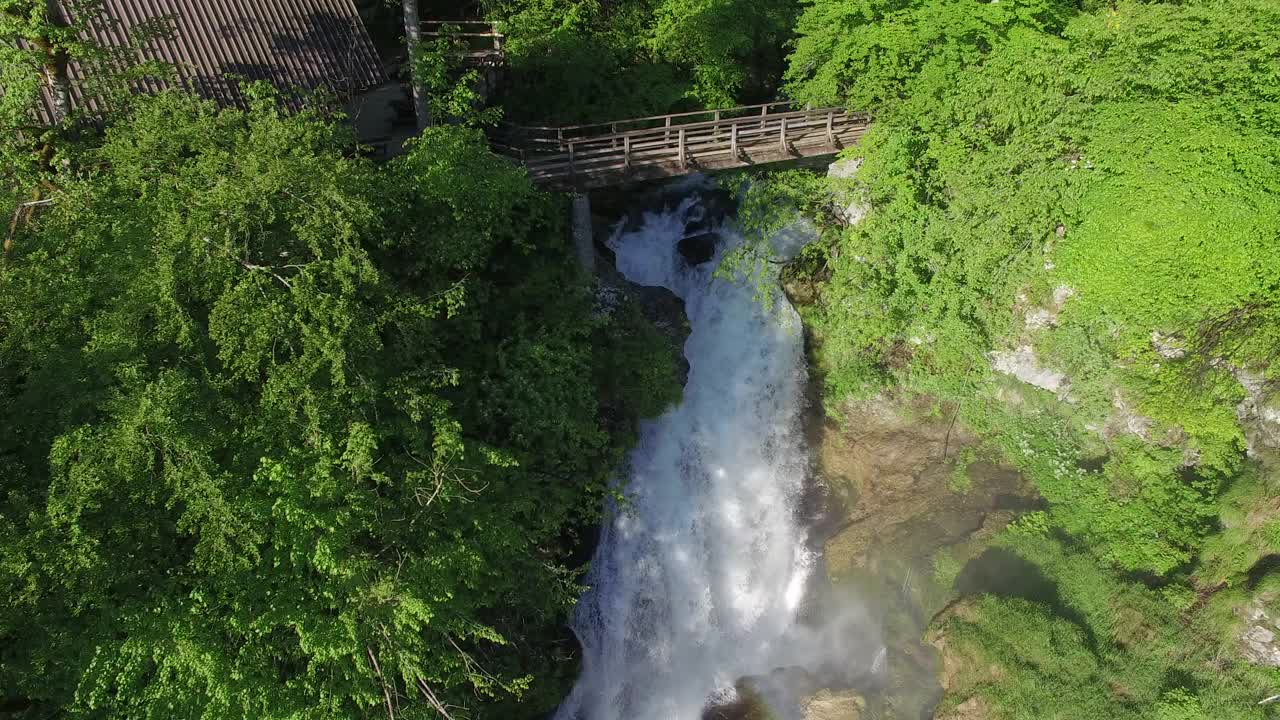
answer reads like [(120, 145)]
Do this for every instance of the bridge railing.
[(483, 42), (556, 138), (674, 143)]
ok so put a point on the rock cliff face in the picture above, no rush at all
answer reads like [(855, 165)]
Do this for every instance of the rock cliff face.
[(1259, 414), (894, 471), (903, 495), (910, 500), (658, 305)]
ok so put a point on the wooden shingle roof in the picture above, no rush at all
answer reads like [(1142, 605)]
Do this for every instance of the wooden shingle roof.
[(293, 44)]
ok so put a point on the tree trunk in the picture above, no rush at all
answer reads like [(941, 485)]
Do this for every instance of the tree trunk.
[(413, 38), (55, 63)]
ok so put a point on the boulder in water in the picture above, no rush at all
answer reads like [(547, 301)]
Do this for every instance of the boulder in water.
[(699, 248)]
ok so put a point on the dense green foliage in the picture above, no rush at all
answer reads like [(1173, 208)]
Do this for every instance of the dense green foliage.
[(274, 413), (589, 60), (1001, 172), (290, 434), (1100, 185), (1097, 646)]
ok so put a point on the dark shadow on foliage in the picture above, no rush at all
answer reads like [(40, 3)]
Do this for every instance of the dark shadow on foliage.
[(1261, 569), (1003, 573)]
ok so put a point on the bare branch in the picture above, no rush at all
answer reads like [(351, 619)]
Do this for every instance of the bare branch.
[(470, 663), (431, 698), (386, 694), (253, 266)]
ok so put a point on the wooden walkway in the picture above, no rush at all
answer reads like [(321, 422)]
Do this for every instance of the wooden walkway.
[(583, 157), (479, 41)]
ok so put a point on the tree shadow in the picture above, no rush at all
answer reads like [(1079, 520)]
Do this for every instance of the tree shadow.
[(321, 51), (1003, 573), (1261, 569)]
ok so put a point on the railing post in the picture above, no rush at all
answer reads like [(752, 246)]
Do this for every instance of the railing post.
[(831, 136), (613, 130), (782, 136), (666, 134), (733, 140), (573, 169), (626, 153), (684, 161)]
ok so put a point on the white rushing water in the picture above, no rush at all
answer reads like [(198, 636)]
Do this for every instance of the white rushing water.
[(698, 578)]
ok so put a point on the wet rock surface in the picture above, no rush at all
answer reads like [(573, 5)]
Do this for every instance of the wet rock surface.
[(833, 705), (624, 209), (658, 305), (891, 468), (895, 474), (698, 248)]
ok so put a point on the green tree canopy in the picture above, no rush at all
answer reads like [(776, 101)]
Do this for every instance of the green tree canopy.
[(293, 435), (593, 61), (1115, 163)]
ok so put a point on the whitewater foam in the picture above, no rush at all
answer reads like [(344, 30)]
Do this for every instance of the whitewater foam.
[(699, 576)]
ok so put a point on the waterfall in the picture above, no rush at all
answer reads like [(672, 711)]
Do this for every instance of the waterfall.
[(700, 572)]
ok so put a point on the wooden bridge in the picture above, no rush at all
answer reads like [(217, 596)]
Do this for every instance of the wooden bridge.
[(582, 157)]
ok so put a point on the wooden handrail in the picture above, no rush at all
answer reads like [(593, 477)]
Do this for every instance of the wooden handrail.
[(713, 125), (582, 162), (745, 141), (669, 116), (468, 33), (434, 33), (458, 22), (602, 153)]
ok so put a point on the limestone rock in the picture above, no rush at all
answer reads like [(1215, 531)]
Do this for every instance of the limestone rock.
[(1046, 317), (1039, 318), (833, 705), (1023, 364), (844, 169), (962, 671), (1259, 637), (972, 709), (1259, 414), (851, 201), (1125, 419), (1167, 347)]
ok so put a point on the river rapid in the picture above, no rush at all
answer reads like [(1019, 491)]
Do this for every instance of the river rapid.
[(700, 574)]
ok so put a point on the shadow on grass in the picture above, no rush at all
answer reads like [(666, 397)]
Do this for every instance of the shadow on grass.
[(1000, 572)]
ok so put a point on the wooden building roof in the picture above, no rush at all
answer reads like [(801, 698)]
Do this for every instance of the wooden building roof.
[(293, 44)]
